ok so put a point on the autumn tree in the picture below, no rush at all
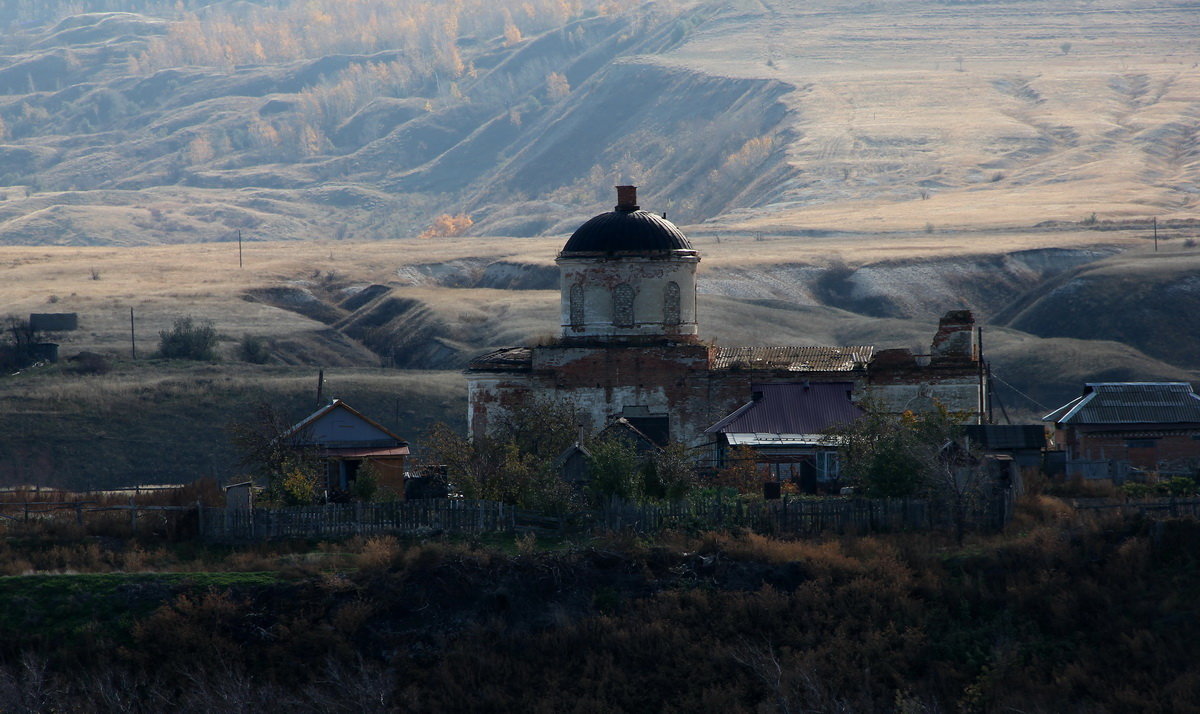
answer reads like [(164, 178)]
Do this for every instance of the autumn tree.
[(514, 461), (557, 85), (446, 226), (270, 449), (889, 456)]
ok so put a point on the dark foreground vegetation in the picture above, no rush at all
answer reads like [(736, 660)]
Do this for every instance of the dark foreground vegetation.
[(1057, 615)]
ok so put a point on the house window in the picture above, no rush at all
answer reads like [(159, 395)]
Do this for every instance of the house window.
[(828, 466), (577, 305), (671, 304), (623, 305), (1139, 443)]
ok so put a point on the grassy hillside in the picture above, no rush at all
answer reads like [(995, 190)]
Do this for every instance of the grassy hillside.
[(1150, 301), (167, 422)]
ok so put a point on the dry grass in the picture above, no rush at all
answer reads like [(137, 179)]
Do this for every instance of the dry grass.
[(162, 283), (908, 114)]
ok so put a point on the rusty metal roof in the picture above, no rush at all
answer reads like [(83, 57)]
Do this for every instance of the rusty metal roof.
[(798, 408), (1131, 403), (507, 359), (794, 359)]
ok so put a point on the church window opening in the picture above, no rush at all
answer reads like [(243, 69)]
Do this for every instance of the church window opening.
[(623, 305), (671, 304), (576, 305)]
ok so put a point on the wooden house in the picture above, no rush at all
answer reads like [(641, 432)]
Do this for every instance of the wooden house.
[(345, 440)]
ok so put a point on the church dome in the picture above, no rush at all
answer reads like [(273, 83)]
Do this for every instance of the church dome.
[(626, 229)]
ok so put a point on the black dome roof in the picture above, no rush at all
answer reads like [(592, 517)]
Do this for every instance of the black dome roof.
[(625, 231)]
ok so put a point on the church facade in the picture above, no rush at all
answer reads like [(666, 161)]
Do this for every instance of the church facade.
[(630, 347)]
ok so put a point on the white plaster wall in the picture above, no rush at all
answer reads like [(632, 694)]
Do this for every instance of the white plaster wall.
[(956, 395), (486, 391), (647, 276), (598, 407)]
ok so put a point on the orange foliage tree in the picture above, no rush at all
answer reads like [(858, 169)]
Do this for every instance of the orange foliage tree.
[(447, 225)]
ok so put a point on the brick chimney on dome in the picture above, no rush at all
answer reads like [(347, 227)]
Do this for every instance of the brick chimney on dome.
[(627, 199)]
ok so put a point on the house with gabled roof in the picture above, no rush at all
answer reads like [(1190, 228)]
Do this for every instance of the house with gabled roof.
[(1149, 425), (787, 427), (345, 439)]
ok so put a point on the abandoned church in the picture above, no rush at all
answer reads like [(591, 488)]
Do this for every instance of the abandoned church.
[(630, 352)]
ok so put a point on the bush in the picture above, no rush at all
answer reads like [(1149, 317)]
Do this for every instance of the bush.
[(188, 339), (614, 467), (254, 349), (89, 363)]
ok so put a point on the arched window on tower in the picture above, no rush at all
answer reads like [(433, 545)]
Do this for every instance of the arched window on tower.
[(671, 304), (577, 305), (623, 305)]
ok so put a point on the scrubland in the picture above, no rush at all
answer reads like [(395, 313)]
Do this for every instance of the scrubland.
[(1037, 619)]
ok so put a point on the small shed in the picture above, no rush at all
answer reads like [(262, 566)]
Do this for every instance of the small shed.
[(53, 321), (240, 496), (346, 440), (572, 464)]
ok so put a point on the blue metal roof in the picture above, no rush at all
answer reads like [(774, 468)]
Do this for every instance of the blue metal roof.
[(1131, 403)]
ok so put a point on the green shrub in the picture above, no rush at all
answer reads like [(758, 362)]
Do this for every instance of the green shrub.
[(188, 339), (254, 349)]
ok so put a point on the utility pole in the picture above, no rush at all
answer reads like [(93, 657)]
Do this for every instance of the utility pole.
[(239, 247), (320, 387), (132, 337), (1156, 234)]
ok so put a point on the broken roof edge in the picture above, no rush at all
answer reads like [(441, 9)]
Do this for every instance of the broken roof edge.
[(505, 359), (1068, 409), (793, 358)]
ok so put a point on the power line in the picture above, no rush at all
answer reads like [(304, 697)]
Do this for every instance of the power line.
[(1023, 394)]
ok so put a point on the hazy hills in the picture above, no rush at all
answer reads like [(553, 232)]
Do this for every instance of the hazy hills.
[(287, 121)]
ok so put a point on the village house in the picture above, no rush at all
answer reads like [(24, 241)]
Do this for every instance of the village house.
[(630, 349), (345, 440), (1114, 426)]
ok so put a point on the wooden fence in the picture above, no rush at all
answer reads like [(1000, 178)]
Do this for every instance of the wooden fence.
[(1157, 509), (334, 520), (807, 516), (795, 517)]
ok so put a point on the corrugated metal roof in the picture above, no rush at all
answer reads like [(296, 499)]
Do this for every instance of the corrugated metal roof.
[(508, 359), (779, 440), (1131, 403), (792, 409), (794, 359)]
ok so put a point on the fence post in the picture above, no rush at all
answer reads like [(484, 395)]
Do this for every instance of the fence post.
[(132, 514), (199, 518)]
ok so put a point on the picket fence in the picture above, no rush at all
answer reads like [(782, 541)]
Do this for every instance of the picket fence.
[(794, 517), (346, 519)]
